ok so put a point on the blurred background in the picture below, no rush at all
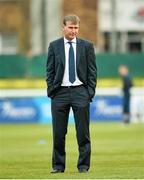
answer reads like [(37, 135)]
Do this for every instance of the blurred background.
[(116, 29)]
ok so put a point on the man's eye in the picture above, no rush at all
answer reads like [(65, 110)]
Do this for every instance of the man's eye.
[(73, 27)]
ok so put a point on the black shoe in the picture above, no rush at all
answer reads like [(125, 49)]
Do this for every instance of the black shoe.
[(83, 170), (57, 171)]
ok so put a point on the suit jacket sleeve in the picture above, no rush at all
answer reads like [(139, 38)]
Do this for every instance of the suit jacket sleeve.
[(50, 70), (92, 71)]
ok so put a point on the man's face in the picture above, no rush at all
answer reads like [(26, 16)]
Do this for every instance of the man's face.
[(123, 71), (70, 30)]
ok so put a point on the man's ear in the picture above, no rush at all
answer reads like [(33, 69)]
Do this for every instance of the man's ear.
[(63, 28)]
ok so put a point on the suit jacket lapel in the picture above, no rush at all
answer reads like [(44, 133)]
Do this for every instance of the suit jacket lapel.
[(78, 51), (62, 51)]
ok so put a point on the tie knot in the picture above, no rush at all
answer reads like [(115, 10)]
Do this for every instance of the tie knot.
[(70, 43)]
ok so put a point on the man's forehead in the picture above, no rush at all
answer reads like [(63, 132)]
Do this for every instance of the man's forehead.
[(71, 23)]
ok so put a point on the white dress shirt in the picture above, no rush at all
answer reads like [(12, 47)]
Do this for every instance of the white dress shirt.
[(66, 81)]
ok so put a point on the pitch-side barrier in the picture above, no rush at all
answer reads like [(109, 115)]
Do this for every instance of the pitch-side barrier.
[(33, 106)]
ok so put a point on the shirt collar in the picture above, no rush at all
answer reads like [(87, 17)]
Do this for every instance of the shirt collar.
[(73, 40)]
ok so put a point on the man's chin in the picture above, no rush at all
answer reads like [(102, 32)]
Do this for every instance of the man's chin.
[(72, 37)]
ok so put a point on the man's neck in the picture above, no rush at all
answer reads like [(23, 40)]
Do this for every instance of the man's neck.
[(72, 40)]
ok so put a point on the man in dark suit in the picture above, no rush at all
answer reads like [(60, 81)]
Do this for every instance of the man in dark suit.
[(71, 80)]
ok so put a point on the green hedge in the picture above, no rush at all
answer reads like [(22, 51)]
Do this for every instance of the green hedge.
[(18, 66), (108, 64)]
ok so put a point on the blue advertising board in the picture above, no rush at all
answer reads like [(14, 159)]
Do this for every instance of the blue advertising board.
[(38, 109), (25, 110), (105, 108)]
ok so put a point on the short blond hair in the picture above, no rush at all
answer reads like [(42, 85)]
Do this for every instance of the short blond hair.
[(71, 17)]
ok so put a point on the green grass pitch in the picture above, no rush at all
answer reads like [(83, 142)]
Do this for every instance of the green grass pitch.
[(117, 152)]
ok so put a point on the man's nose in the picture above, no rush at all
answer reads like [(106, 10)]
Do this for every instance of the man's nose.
[(73, 30)]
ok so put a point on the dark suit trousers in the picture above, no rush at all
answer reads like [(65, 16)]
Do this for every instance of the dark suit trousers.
[(76, 98)]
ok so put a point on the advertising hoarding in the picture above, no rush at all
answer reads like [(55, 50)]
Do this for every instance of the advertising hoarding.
[(38, 109)]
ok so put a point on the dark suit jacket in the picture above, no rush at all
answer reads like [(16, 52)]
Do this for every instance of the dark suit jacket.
[(85, 65)]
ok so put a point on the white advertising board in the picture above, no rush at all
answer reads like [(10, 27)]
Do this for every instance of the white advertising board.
[(137, 105)]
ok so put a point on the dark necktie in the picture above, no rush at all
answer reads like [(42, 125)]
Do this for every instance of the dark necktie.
[(71, 64)]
